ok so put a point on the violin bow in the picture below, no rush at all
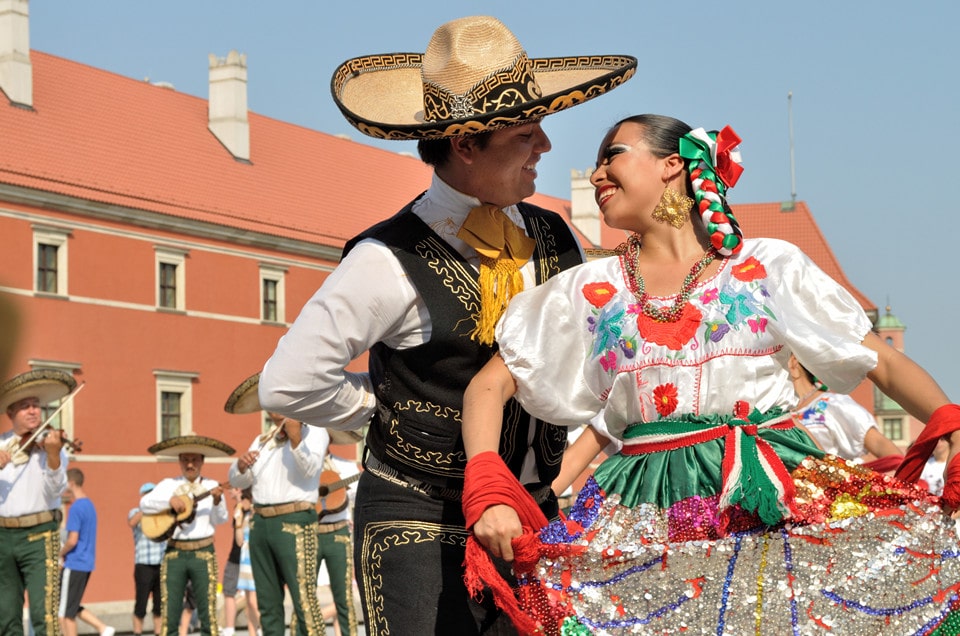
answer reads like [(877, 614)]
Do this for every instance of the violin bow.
[(46, 423)]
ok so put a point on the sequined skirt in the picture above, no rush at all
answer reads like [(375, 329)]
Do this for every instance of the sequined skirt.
[(868, 555)]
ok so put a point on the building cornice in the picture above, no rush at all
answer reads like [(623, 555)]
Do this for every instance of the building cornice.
[(158, 221)]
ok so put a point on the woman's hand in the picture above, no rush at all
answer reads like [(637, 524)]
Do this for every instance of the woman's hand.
[(496, 528)]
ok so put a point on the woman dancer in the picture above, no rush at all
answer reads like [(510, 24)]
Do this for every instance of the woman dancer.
[(718, 515)]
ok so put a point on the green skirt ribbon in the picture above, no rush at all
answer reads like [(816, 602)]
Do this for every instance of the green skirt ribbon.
[(746, 460)]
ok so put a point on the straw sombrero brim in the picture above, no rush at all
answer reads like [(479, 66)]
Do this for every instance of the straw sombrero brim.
[(344, 437), (200, 444), (47, 385), (244, 398), (382, 95)]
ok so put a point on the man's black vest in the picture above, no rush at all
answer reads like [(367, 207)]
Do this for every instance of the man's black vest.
[(416, 426)]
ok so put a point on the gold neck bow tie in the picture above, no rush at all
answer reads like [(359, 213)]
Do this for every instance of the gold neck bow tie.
[(503, 249)]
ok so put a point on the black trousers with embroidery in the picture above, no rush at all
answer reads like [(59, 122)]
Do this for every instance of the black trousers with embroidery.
[(408, 552)]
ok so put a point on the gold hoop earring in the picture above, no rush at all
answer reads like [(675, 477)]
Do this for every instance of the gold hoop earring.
[(673, 208)]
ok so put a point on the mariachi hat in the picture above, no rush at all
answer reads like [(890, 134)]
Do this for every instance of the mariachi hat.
[(206, 446), (244, 399), (474, 76), (47, 385)]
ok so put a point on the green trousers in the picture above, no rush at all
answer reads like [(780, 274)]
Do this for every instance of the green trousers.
[(336, 553), (30, 560), (283, 551), (200, 568)]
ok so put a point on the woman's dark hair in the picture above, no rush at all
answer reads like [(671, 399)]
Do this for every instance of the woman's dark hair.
[(661, 133), (436, 152)]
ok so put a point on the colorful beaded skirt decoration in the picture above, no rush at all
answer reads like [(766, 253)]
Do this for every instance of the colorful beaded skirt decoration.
[(868, 555)]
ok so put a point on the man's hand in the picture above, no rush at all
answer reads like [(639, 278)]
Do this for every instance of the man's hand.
[(217, 494), (497, 526), (5, 458), (294, 431), (177, 504), (247, 460)]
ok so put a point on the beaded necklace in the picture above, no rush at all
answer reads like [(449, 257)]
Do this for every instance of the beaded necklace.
[(631, 265)]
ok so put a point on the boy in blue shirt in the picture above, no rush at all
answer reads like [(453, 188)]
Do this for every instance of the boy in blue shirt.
[(78, 553)]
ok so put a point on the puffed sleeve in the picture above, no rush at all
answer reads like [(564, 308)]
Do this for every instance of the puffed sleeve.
[(822, 323), (544, 343)]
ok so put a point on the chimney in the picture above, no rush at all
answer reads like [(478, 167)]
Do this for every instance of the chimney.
[(227, 110), (584, 212), (16, 74)]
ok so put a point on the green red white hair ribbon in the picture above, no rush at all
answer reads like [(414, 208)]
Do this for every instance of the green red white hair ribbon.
[(713, 160)]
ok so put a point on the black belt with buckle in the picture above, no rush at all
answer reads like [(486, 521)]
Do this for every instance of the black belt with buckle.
[(540, 494)]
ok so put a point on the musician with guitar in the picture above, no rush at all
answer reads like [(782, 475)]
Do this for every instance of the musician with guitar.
[(185, 511), (283, 468), (32, 478), (335, 550)]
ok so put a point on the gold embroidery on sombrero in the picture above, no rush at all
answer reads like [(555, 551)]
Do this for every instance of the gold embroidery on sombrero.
[(507, 88)]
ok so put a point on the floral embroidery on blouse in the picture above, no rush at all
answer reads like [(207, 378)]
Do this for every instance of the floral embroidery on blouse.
[(598, 294), (665, 399), (606, 322), (738, 304)]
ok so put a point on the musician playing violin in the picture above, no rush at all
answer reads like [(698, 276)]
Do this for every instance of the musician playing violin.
[(30, 503), (283, 468), (190, 550)]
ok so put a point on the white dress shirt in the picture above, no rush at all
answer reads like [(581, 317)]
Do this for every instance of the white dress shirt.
[(283, 474), (31, 486), (366, 299), (207, 516)]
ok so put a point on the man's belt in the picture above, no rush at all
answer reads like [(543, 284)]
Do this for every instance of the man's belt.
[(189, 545), (33, 519), (333, 526), (540, 493), (283, 509)]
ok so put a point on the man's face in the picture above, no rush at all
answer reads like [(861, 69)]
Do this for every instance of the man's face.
[(25, 415), (504, 171), (190, 465)]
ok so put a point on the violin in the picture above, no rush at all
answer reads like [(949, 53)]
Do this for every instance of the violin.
[(26, 444)]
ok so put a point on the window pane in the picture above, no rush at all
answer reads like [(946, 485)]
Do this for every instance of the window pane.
[(169, 414), (269, 300), (168, 285), (48, 410), (47, 268), (893, 428)]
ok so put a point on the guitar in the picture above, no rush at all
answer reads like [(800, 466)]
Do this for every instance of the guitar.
[(333, 497), (160, 526)]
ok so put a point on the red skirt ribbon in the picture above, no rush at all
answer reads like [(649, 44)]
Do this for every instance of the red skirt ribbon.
[(944, 421), (489, 482)]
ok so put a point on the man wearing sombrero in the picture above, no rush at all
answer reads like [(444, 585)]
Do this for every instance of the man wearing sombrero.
[(283, 468), (192, 506), (31, 482), (422, 291)]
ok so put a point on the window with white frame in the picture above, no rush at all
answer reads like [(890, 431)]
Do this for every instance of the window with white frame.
[(893, 428), (174, 403), (272, 297), (50, 259), (171, 265)]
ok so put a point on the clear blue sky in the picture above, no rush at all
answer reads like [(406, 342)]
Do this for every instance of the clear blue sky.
[(875, 99)]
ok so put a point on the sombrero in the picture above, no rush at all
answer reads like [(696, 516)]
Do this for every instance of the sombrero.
[(47, 385), (474, 76), (244, 399), (206, 446)]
